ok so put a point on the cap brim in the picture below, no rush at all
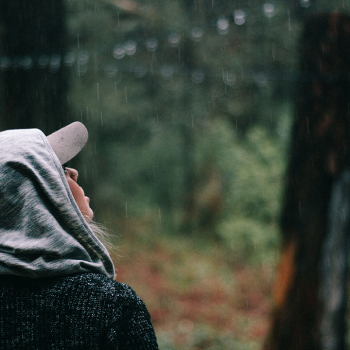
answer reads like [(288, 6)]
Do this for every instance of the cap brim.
[(68, 141)]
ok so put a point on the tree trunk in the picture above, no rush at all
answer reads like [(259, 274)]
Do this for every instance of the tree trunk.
[(311, 221), (34, 79)]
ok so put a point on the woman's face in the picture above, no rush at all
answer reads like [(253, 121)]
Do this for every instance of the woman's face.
[(78, 194)]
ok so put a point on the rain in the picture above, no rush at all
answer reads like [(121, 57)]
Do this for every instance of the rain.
[(217, 144)]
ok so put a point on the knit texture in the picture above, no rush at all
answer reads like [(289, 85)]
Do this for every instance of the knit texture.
[(87, 311)]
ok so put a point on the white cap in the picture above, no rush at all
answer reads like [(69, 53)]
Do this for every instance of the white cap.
[(68, 141)]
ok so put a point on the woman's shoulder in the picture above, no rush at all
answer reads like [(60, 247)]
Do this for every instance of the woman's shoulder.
[(83, 291), (88, 284), (116, 297), (99, 284)]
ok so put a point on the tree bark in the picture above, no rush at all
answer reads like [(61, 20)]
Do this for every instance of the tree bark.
[(333, 292), (319, 157)]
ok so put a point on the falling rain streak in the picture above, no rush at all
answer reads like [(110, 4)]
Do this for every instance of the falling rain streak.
[(289, 21)]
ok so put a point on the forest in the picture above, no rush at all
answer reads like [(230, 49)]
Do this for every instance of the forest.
[(190, 107)]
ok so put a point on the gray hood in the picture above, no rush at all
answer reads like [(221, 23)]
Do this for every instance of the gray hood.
[(42, 231)]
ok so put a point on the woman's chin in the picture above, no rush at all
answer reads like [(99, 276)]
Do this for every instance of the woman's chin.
[(88, 216)]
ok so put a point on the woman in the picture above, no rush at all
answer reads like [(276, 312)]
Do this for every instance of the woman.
[(56, 278)]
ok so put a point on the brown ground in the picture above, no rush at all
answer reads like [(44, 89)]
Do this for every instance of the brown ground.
[(194, 293)]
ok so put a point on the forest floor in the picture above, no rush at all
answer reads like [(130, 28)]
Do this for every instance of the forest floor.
[(197, 296)]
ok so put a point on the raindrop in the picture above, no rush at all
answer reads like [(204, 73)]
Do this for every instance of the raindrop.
[(239, 17), (167, 71), (81, 69), (55, 63), (152, 44), (111, 70), (43, 61), (174, 40), (130, 47), (119, 52), (269, 10), (69, 59), (197, 34), (260, 79), (222, 26), (5, 63), (83, 57), (305, 3), (229, 78), (26, 62), (198, 76), (140, 71)]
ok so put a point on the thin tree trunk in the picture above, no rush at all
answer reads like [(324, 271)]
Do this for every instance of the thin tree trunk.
[(34, 78)]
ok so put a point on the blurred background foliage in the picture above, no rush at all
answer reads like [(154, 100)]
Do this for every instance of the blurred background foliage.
[(189, 106)]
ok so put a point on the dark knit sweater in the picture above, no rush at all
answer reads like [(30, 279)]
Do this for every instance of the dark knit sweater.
[(87, 311)]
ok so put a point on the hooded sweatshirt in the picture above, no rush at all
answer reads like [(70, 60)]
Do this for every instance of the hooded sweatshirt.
[(56, 278), (42, 231)]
